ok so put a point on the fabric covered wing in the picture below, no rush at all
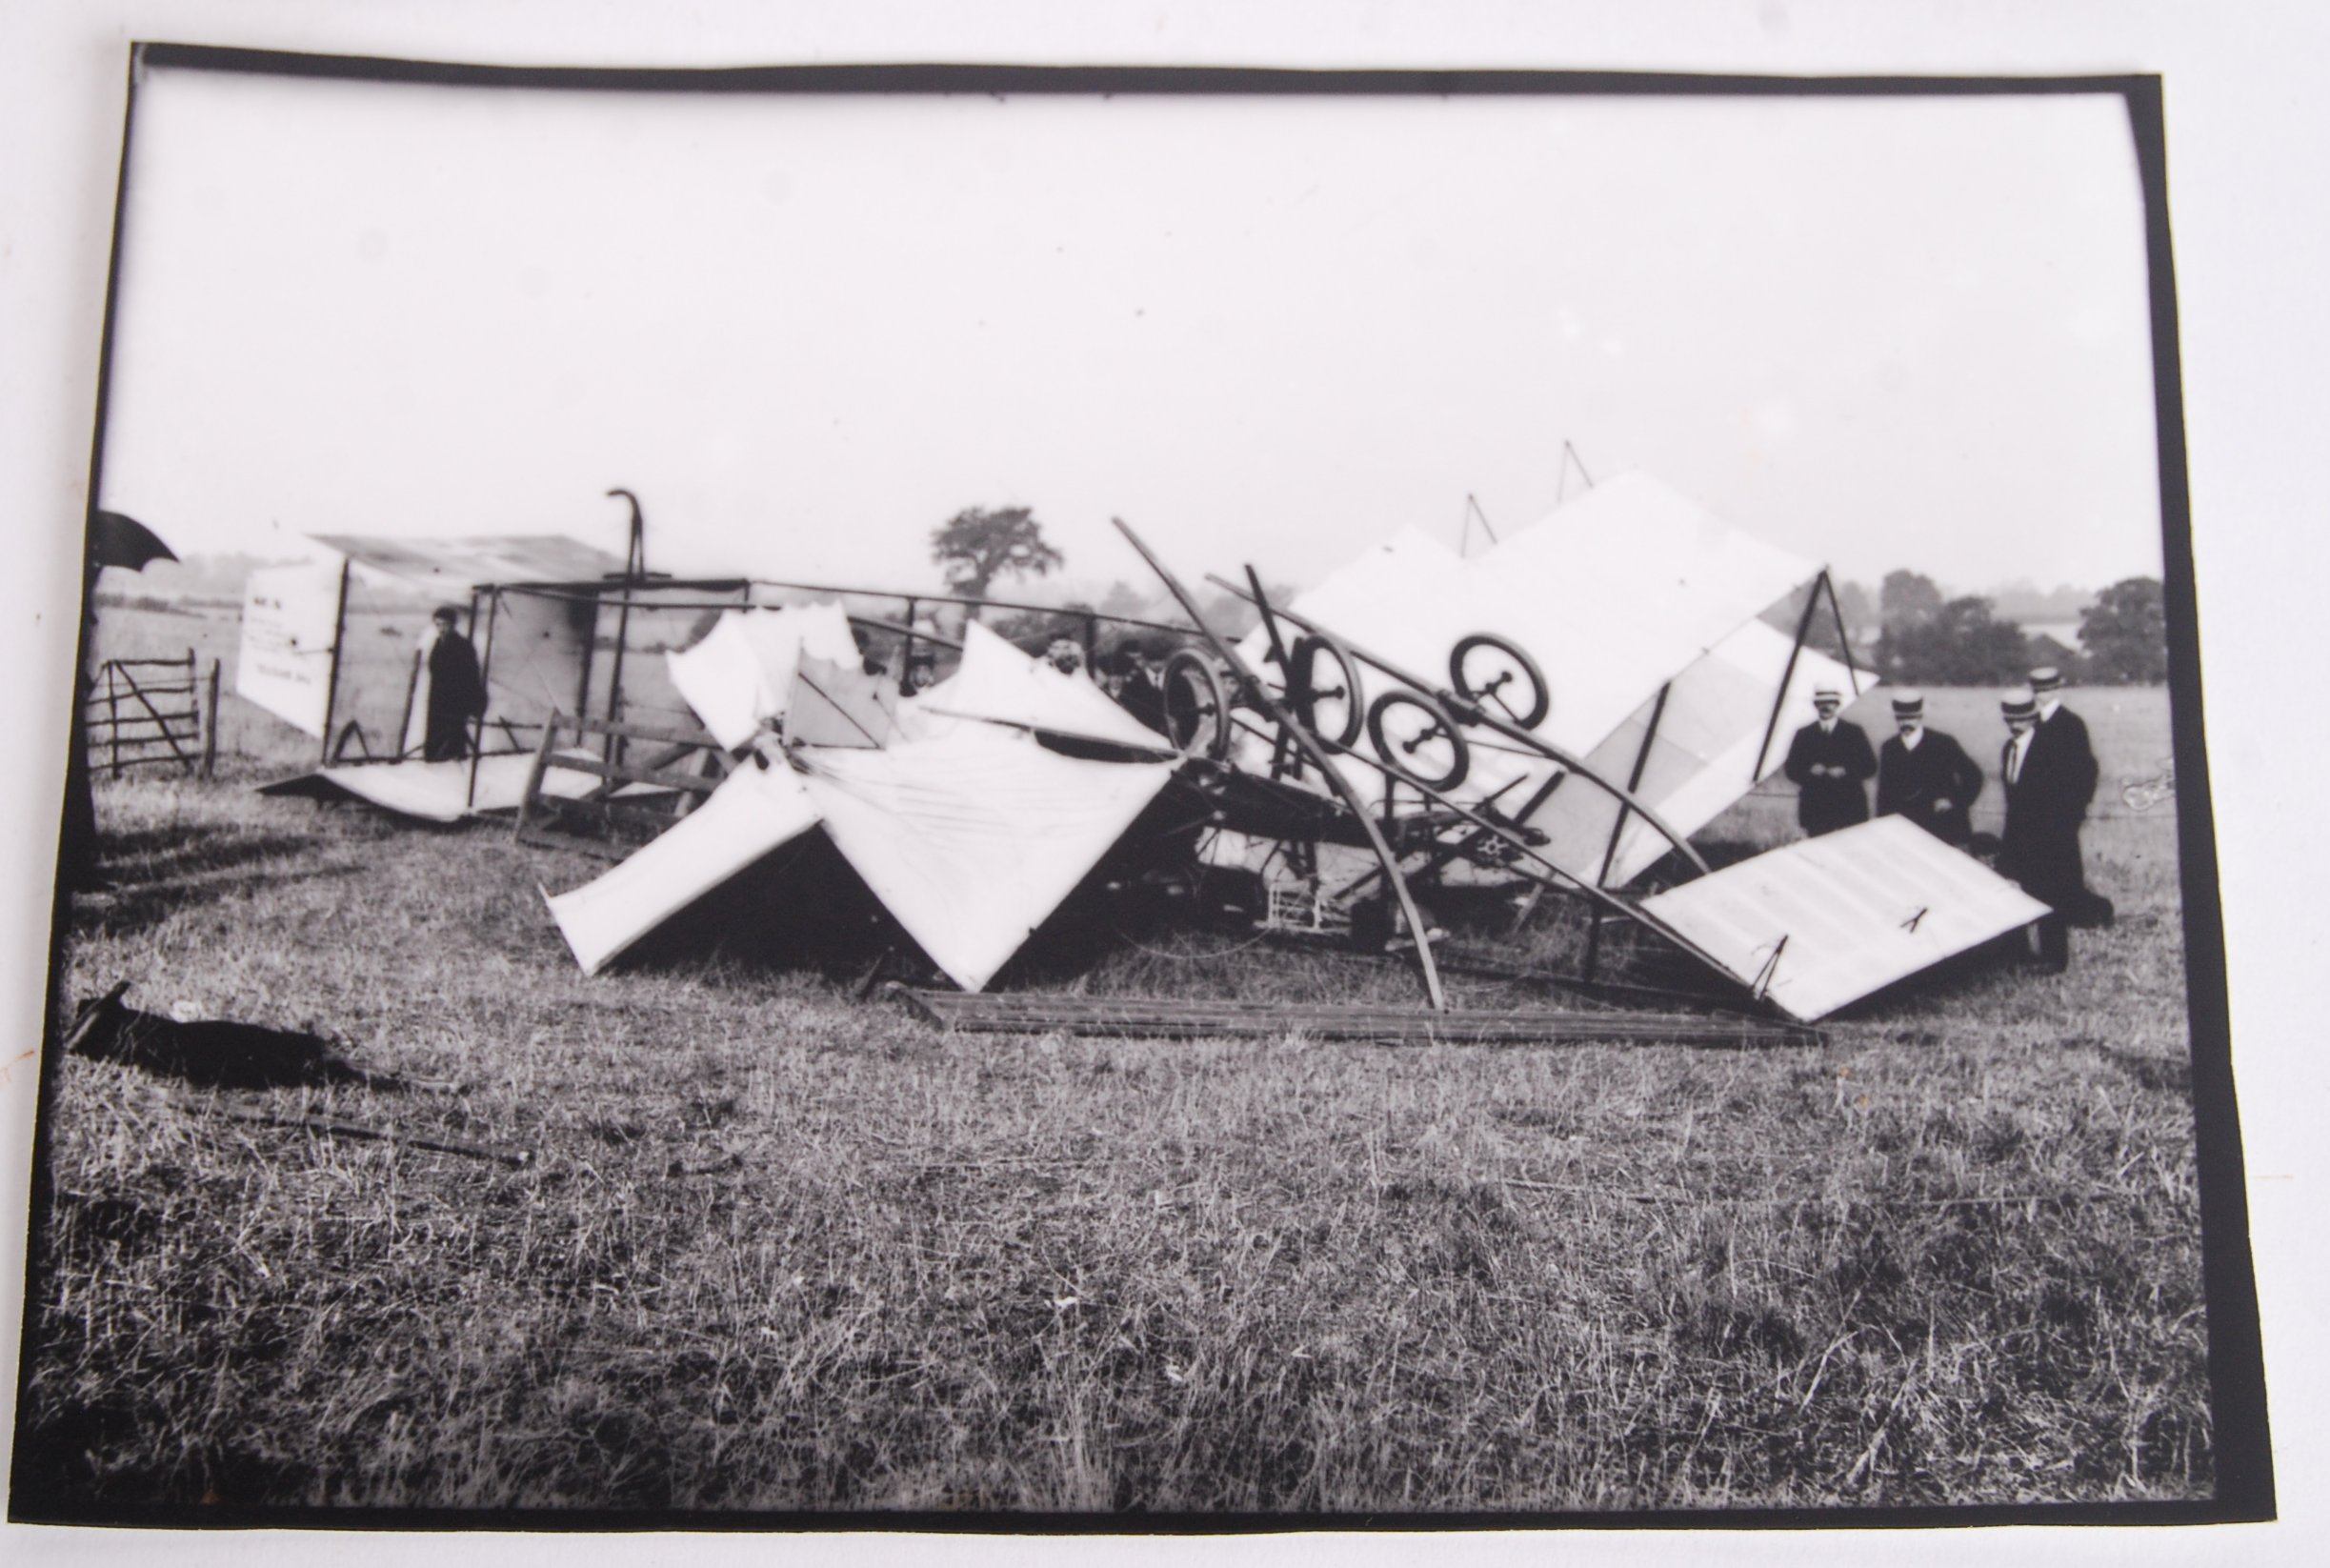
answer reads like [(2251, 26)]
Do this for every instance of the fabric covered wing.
[(999, 684), (1702, 754), (754, 811), (1825, 921), (436, 792), (742, 670), (973, 837)]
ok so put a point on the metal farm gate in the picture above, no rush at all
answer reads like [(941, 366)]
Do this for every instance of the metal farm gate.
[(142, 711)]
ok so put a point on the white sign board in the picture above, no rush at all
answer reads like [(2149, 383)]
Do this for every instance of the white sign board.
[(290, 614)]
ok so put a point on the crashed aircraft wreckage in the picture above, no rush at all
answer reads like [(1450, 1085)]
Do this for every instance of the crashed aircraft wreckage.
[(1612, 684)]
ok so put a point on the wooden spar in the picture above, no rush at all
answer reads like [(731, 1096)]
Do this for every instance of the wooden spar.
[(905, 630), (1286, 669), (485, 664), (1779, 698), (1317, 754), (1633, 780), (1558, 876), (331, 675), (1178, 1017), (1471, 714), (1844, 640)]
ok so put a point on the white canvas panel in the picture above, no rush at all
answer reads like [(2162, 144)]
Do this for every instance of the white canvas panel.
[(1407, 600), (839, 705), (973, 837), (533, 647), (1846, 913), (290, 617), (1614, 596), (1703, 756), (1617, 591), (1000, 685), (441, 791), (754, 811), (741, 673)]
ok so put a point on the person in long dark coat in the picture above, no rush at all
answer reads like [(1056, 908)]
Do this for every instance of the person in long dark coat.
[(2064, 733), (2050, 775), (1830, 764), (456, 691), (1927, 775)]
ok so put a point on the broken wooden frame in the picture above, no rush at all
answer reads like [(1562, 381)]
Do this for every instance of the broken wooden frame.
[(1485, 827), (1163, 1017), (665, 785)]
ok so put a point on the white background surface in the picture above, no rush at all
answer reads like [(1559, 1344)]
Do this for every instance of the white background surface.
[(2247, 128)]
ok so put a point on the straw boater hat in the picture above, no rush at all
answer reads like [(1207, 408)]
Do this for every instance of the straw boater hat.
[(1826, 694), (2018, 703), (1909, 705), (2046, 678)]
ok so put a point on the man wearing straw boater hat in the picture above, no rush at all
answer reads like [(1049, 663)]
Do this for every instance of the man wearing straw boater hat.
[(1927, 775), (1830, 763), (2049, 770)]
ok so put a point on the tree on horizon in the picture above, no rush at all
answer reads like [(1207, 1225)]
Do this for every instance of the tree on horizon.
[(977, 545)]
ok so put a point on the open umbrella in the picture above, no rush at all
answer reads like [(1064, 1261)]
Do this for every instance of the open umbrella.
[(119, 540)]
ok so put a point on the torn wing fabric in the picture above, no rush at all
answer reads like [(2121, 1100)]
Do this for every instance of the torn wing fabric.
[(1823, 922), (839, 705), (742, 670), (973, 837), (754, 811), (1709, 727), (441, 791), (1001, 685)]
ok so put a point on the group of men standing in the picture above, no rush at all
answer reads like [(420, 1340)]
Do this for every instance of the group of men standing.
[(2047, 769)]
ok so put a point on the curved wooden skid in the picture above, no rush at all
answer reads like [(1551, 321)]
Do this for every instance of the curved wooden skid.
[(1317, 754)]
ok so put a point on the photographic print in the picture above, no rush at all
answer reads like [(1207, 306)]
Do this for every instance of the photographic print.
[(1026, 798)]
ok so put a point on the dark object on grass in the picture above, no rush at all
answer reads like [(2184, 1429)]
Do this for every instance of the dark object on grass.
[(212, 1052)]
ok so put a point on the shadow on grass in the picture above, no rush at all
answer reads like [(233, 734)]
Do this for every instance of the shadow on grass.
[(138, 902)]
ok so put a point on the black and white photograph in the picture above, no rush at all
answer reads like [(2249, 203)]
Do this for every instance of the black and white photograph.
[(1034, 796)]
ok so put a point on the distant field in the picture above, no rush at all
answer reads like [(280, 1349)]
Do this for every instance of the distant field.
[(780, 1248)]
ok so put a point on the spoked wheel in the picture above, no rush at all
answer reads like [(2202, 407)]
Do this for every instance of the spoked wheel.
[(1418, 741), (1323, 690), (1497, 676), (1197, 707)]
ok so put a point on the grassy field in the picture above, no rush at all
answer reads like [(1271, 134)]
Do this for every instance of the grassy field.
[(778, 1248)]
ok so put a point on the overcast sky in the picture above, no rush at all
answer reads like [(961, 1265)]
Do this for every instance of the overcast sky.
[(807, 330)]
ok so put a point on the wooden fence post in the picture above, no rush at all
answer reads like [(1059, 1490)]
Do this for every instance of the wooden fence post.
[(209, 723)]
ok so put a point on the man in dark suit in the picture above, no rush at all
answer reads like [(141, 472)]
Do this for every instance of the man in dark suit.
[(456, 692), (1927, 775), (1830, 764), (2050, 775), (1139, 692)]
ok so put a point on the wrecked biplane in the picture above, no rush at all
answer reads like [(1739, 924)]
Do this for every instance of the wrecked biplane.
[(1337, 774)]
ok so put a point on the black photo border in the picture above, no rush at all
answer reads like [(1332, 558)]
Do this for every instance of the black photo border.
[(2243, 1452)]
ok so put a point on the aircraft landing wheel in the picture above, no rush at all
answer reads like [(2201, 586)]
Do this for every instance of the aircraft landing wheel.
[(1497, 675), (1197, 707), (1418, 741), (1323, 690)]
